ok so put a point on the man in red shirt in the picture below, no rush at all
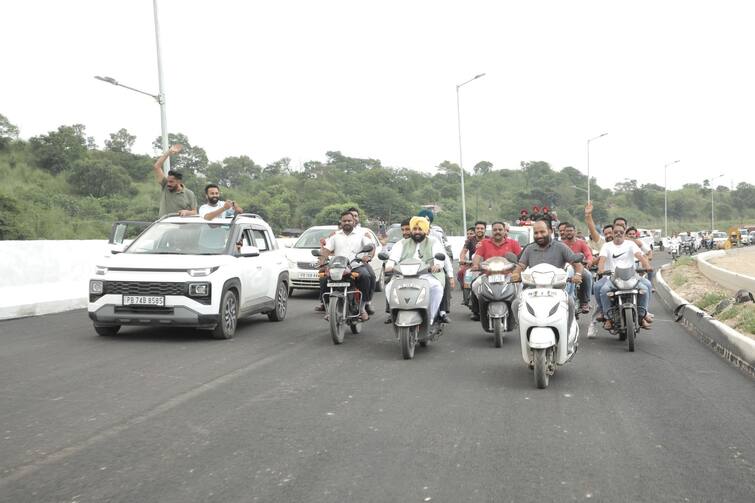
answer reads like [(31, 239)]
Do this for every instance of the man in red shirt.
[(497, 246), (580, 246)]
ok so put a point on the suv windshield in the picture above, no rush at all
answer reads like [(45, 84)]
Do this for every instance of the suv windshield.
[(191, 238), (311, 238), (522, 236)]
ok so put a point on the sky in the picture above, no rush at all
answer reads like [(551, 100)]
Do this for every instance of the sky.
[(667, 80)]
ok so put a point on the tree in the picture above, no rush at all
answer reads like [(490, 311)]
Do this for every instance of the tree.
[(483, 168), (331, 214), (277, 168), (121, 141), (98, 178), (8, 132), (57, 151), (233, 171), (448, 168), (191, 160), (626, 186)]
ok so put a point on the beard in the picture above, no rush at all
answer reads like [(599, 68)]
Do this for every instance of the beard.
[(347, 228), (543, 241), (213, 200), (418, 238)]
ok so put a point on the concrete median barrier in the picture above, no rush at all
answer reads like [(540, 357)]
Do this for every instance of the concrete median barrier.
[(724, 340), (728, 279)]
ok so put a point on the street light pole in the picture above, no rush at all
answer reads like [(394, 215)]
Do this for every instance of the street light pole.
[(712, 191), (160, 97), (461, 164), (665, 197), (588, 163)]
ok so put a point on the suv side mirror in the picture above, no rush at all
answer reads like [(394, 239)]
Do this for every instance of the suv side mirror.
[(118, 248), (249, 251)]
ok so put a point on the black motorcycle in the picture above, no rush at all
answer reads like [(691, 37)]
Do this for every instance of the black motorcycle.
[(624, 311)]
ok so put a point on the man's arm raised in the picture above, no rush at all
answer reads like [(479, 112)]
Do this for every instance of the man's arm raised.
[(594, 234), (158, 167)]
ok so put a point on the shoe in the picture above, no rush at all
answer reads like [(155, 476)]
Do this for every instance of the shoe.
[(388, 321), (369, 309), (475, 317), (443, 318), (364, 316), (584, 308), (320, 308)]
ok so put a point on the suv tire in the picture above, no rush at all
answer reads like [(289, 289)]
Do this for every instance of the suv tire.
[(281, 302), (228, 316)]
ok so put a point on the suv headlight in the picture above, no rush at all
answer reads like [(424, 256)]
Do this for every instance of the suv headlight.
[(202, 271), (199, 289), (96, 286)]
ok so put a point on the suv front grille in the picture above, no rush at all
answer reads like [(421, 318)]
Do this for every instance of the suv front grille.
[(145, 288), (307, 265)]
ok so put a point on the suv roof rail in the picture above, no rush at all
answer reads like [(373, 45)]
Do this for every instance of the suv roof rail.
[(250, 215)]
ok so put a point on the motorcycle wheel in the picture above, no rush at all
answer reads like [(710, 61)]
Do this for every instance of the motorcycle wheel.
[(497, 332), (541, 368), (335, 308), (408, 338), (629, 323)]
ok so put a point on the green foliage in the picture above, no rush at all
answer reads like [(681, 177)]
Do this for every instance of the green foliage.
[(746, 322), (98, 178), (710, 299), (121, 141), (57, 151), (678, 279), (8, 132), (731, 312), (331, 214), (684, 261), (191, 161)]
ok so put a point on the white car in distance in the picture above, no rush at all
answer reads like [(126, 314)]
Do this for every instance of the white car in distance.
[(303, 267), (190, 272)]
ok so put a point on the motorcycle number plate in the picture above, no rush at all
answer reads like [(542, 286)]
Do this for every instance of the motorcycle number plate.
[(339, 285), (497, 278)]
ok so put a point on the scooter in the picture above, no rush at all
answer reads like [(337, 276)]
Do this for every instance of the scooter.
[(674, 250), (409, 303), (343, 299), (466, 286), (496, 294), (624, 312), (548, 329)]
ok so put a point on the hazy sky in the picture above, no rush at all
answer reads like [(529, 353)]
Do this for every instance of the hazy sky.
[(666, 79)]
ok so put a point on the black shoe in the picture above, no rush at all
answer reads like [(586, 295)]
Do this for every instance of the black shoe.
[(369, 309), (475, 317), (444, 318)]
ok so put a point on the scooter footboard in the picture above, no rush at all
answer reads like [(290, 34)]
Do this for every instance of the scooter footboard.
[(542, 338), (408, 318)]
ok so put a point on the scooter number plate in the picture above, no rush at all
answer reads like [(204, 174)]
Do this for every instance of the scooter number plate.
[(338, 285), (497, 278)]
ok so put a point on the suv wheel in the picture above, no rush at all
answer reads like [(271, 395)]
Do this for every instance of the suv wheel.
[(227, 317), (107, 330), (281, 303)]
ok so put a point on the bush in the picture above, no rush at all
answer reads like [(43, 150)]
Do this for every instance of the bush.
[(678, 279), (710, 299), (98, 178)]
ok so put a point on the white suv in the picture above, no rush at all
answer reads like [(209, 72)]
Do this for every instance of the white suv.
[(190, 272)]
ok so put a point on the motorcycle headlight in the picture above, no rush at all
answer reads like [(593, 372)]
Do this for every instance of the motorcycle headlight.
[(336, 274), (421, 296)]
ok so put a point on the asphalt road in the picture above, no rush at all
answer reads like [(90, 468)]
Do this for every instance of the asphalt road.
[(281, 414)]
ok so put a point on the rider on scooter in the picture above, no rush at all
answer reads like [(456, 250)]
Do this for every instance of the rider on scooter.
[(546, 250), (621, 253), (422, 247), (348, 242), (579, 246), (497, 246)]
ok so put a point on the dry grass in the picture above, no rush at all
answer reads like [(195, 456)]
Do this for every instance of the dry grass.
[(696, 289)]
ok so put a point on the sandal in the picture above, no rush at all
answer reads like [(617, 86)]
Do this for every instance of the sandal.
[(320, 308), (608, 325), (364, 316)]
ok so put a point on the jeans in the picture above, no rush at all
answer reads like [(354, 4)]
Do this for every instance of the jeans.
[(643, 298), (583, 294)]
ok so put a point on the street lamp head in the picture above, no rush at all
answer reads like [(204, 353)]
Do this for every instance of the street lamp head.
[(480, 75), (109, 80)]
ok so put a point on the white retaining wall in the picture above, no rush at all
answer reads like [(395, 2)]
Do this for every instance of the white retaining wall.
[(731, 280), (42, 277)]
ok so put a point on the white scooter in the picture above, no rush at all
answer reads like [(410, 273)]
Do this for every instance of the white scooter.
[(548, 328)]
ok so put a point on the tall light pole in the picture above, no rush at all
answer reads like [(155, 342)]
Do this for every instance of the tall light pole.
[(588, 162), (160, 97), (665, 197), (712, 191), (461, 164)]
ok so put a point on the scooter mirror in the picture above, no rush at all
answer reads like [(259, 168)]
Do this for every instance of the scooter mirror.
[(383, 255), (315, 253), (440, 256), (511, 257), (368, 248)]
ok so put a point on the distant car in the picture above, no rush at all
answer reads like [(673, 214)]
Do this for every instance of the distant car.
[(190, 272), (392, 236), (303, 267), (744, 237), (719, 238), (524, 234)]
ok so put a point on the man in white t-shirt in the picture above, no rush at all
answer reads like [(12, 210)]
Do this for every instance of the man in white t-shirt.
[(215, 208), (348, 242), (622, 253)]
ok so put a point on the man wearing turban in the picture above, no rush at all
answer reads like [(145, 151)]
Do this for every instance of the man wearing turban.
[(422, 247)]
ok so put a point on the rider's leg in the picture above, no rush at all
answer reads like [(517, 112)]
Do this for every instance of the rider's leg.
[(436, 295), (474, 298), (644, 298), (605, 302), (585, 288), (596, 293)]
